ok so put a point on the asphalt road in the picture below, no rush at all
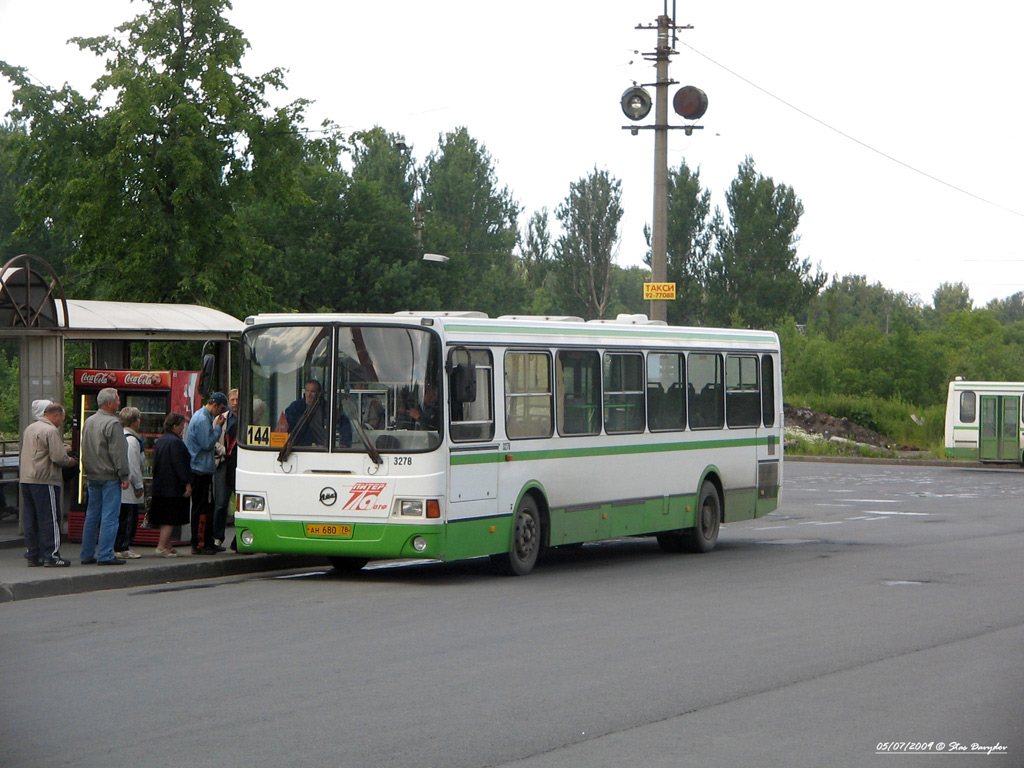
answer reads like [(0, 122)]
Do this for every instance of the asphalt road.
[(881, 605)]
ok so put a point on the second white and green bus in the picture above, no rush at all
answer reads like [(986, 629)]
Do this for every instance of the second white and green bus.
[(984, 421), (447, 436)]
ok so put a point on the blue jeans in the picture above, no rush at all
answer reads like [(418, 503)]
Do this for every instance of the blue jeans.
[(101, 515)]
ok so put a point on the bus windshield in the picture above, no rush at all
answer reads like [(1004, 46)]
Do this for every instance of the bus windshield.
[(340, 388)]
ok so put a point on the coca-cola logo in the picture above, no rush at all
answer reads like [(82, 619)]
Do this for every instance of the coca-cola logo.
[(142, 379), (98, 378)]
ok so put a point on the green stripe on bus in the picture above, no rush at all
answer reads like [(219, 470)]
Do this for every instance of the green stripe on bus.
[(371, 540), (962, 453), (610, 450)]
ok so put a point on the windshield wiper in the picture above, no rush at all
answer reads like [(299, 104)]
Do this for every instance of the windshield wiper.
[(299, 426), (357, 425)]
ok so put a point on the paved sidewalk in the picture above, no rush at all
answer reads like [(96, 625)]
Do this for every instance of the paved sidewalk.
[(19, 582)]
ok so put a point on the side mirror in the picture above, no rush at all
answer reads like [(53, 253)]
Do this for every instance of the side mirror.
[(206, 375), (463, 382)]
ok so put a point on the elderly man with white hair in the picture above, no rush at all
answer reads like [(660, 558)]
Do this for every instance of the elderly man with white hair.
[(105, 462)]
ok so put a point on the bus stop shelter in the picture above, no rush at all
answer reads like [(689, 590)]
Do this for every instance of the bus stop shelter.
[(35, 311)]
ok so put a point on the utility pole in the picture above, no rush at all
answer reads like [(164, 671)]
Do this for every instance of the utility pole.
[(690, 103), (659, 238)]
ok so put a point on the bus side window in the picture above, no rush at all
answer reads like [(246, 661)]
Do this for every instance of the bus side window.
[(528, 399), (472, 420), (623, 392), (666, 391), (968, 407), (578, 374), (768, 390), (705, 390), (743, 396)]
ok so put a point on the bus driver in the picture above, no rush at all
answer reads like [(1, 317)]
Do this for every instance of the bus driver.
[(314, 431)]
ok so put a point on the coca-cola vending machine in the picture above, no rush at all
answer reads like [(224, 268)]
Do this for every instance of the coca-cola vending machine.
[(155, 394)]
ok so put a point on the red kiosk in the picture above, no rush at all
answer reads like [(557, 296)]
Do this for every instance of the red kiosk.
[(155, 394)]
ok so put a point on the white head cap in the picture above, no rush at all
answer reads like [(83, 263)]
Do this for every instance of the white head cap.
[(38, 406)]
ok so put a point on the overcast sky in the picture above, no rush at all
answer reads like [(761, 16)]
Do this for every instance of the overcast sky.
[(896, 123)]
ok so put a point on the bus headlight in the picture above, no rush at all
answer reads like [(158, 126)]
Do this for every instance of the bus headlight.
[(253, 503), (247, 537), (411, 508), (419, 543)]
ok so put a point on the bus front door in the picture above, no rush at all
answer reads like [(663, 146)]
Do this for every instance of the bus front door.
[(1000, 432)]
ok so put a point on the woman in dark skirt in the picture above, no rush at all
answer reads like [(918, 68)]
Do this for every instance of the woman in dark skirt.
[(170, 505)]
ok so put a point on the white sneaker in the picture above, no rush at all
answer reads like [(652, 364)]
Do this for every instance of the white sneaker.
[(129, 555)]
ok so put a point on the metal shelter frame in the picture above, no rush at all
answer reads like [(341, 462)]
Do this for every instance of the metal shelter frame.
[(35, 310)]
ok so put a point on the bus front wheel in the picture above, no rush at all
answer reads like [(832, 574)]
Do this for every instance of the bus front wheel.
[(703, 536), (527, 539)]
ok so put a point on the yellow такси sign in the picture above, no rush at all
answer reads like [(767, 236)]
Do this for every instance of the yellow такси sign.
[(656, 291)]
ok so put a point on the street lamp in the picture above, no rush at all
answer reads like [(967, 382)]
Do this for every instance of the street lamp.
[(435, 257)]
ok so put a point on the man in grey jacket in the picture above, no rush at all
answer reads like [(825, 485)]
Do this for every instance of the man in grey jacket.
[(105, 462), (43, 454)]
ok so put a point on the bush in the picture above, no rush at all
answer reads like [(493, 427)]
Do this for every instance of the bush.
[(894, 419)]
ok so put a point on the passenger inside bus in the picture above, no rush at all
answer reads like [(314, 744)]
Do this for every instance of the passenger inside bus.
[(376, 415), (423, 415)]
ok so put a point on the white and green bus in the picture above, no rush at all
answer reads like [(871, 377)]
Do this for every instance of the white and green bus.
[(984, 420), (451, 435)]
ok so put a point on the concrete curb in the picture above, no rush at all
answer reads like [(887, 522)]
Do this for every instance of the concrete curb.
[(93, 578), (901, 461)]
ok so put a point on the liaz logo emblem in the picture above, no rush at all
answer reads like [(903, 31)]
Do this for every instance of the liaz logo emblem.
[(328, 496), (365, 496)]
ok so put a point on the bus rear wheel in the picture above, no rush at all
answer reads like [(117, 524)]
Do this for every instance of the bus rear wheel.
[(703, 536), (348, 564), (527, 539)]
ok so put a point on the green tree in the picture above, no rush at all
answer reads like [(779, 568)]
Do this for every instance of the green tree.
[(149, 173), (628, 291), (689, 237), (538, 266), (920, 370), (1009, 310), (341, 245), (590, 217), (14, 177), (9, 389), (537, 249), (866, 364), (851, 301), (809, 364), (980, 348), (384, 158), (472, 219), (755, 278), (952, 297)]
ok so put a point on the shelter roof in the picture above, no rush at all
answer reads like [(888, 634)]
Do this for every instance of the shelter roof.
[(131, 320)]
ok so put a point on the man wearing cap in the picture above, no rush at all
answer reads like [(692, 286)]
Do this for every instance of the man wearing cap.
[(201, 439)]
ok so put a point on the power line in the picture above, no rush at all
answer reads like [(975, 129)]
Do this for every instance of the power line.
[(847, 136)]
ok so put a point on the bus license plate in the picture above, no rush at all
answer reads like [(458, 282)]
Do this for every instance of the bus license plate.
[(338, 530)]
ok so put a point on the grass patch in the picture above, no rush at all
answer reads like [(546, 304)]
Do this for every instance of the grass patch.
[(905, 424)]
